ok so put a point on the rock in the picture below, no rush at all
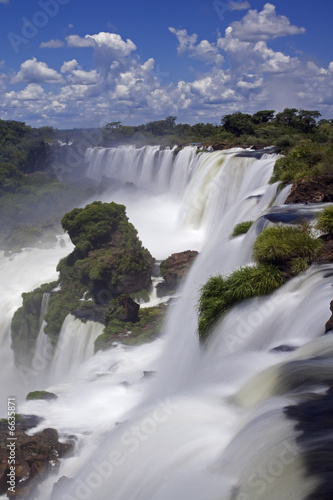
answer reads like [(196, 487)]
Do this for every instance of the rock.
[(317, 190), (124, 309), (283, 348), (35, 456), (173, 270), (48, 396), (326, 253), (329, 323)]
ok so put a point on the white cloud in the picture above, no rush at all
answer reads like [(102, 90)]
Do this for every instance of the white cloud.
[(264, 25), (109, 42), (52, 44), (78, 76), (69, 66), (204, 50), (4, 1), (238, 5), (77, 41), (33, 71), (32, 92)]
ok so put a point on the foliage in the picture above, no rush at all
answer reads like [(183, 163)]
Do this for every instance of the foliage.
[(241, 228), (219, 293), (146, 330), (26, 323), (291, 248), (325, 220), (238, 124), (40, 395), (306, 160)]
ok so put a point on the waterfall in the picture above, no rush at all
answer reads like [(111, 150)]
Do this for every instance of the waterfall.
[(171, 419)]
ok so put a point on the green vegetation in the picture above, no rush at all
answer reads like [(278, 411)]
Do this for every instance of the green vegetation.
[(41, 395), (108, 260), (222, 292), (325, 220), (291, 248), (307, 160), (32, 200), (280, 252), (145, 330), (26, 323), (241, 228)]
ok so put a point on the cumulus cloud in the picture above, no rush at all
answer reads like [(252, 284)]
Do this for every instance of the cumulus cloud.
[(32, 92), (264, 25), (33, 71), (69, 66), (78, 76), (52, 44), (203, 50)]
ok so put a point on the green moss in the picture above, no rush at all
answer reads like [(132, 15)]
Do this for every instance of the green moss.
[(325, 220), (40, 395), (146, 330), (291, 248), (241, 228), (26, 323), (222, 292)]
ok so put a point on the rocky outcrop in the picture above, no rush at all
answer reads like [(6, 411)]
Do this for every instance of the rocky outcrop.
[(124, 309), (316, 190), (35, 456), (329, 323), (173, 270)]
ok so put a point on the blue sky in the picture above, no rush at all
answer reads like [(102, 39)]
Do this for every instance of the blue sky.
[(82, 63)]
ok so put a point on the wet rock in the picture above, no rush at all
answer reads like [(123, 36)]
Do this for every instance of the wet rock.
[(45, 395), (35, 456), (125, 309), (329, 323), (283, 348), (173, 270), (317, 190)]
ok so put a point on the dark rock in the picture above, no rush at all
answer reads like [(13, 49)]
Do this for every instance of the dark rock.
[(283, 348), (173, 270), (326, 253), (125, 309), (317, 190), (329, 323), (35, 456)]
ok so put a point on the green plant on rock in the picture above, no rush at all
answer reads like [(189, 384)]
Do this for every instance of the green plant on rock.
[(219, 293), (325, 220), (291, 248), (241, 228)]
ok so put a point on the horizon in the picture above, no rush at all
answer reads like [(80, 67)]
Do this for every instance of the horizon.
[(72, 65)]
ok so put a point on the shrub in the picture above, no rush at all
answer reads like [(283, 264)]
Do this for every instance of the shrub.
[(325, 220), (241, 228), (291, 248), (220, 293)]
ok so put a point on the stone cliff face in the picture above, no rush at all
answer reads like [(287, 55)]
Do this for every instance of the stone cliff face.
[(174, 269), (317, 190)]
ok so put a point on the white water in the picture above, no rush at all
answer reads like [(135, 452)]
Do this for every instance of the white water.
[(209, 424)]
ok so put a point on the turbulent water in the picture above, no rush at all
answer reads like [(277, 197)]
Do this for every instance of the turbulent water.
[(208, 423)]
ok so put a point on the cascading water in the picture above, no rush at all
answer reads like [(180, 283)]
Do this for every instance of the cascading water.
[(209, 424)]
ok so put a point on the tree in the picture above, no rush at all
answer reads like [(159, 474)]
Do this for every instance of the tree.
[(238, 124), (287, 117), (263, 116)]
